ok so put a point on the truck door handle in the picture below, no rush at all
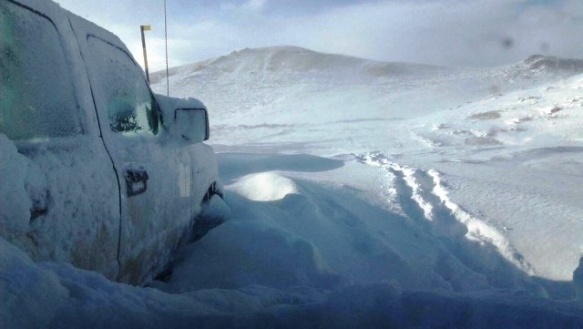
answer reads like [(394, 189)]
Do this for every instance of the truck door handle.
[(40, 204), (136, 181)]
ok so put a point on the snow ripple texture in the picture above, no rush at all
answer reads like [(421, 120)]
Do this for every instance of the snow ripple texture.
[(431, 204)]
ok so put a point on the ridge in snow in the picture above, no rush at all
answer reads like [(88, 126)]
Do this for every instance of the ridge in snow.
[(555, 63)]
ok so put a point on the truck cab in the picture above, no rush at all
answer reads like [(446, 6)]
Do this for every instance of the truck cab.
[(95, 169)]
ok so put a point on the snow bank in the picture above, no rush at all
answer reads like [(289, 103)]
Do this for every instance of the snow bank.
[(323, 256), (31, 296), (61, 296), (386, 306)]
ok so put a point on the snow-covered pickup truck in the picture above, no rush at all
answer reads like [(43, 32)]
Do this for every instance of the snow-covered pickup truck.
[(95, 169)]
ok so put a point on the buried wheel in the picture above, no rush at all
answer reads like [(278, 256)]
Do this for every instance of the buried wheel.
[(214, 212)]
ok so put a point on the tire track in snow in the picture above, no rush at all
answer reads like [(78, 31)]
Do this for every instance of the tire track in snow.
[(423, 197)]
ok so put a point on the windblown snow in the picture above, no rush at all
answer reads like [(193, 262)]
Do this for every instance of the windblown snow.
[(362, 194)]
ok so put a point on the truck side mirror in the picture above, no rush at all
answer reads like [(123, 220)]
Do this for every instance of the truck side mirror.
[(184, 119), (192, 124)]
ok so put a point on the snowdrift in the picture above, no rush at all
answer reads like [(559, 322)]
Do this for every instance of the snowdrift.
[(322, 256)]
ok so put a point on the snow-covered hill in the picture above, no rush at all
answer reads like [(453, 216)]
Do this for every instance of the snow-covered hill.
[(277, 62), (508, 139), (257, 96)]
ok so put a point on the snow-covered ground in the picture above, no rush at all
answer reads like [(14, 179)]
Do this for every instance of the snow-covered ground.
[(504, 143), (362, 194)]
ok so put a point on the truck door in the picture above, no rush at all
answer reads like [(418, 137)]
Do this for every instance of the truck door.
[(57, 184), (155, 176)]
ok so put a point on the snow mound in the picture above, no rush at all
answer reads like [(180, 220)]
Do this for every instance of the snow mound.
[(268, 186)]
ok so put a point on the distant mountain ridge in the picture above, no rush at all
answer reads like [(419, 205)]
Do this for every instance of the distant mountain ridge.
[(297, 60), (554, 63), (290, 60)]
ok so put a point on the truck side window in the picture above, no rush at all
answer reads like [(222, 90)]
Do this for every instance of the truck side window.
[(36, 86), (131, 107)]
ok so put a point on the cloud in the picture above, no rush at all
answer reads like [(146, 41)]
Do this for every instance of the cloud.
[(440, 32), (256, 5), (456, 33)]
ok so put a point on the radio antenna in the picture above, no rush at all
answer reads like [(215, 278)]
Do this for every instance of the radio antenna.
[(166, 39)]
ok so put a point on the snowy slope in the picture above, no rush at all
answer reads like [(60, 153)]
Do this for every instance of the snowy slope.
[(500, 135), (262, 94), (362, 194)]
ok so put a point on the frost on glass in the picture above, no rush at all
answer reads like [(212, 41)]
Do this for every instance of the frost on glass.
[(130, 105), (36, 89)]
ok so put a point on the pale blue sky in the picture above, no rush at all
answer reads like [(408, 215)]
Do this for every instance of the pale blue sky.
[(441, 32)]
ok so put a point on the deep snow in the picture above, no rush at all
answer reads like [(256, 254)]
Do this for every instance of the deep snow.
[(507, 138), (361, 194)]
